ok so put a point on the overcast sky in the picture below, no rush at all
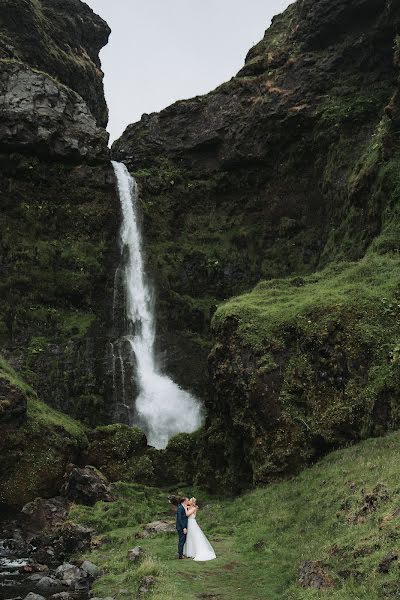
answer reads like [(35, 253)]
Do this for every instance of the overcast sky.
[(166, 50)]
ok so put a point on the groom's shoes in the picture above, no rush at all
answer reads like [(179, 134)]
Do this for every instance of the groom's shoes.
[(180, 557)]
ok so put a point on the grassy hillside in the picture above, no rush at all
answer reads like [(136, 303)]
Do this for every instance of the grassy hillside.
[(344, 512)]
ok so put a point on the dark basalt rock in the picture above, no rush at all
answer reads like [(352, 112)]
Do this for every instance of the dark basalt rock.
[(13, 404), (40, 115), (86, 486), (41, 514), (62, 38)]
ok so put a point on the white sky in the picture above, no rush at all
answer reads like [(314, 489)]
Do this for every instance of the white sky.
[(161, 51)]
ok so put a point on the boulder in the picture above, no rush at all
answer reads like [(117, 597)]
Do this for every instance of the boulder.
[(32, 596), (39, 113), (63, 596), (63, 541), (13, 403), (92, 571), (69, 573), (45, 513), (157, 527), (86, 485), (47, 583), (135, 554), (313, 575)]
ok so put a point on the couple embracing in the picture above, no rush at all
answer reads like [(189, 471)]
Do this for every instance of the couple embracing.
[(192, 541)]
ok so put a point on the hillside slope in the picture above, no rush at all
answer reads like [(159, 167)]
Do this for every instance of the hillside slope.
[(337, 524)]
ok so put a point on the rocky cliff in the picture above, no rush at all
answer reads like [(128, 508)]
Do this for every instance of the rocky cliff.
[(288, 170), (58, 227)]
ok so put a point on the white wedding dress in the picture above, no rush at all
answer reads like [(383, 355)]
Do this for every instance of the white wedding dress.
[(197, 545)]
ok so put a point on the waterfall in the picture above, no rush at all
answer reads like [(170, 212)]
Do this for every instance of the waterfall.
[(161, 408)]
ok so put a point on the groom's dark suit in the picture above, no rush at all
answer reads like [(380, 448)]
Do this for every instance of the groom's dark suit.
[(181, 524)]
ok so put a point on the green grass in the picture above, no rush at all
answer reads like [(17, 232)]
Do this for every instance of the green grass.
[(367, 285), (261, 538), (41, 414)]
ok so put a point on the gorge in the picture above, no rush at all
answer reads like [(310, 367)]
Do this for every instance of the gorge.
[(270, 229)]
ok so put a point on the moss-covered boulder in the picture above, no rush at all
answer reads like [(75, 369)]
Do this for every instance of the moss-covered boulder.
[(118, 451), (34, 455)]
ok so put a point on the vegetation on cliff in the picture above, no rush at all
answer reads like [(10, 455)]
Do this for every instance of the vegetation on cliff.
[(35, 452)]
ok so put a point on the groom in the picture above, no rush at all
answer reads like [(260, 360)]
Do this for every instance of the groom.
[(181, 525)]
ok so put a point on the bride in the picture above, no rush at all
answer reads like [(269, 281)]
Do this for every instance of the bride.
[(197, 545)]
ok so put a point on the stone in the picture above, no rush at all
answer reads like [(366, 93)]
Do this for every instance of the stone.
[(135, 554), (61, 542), (35, 577), (46, 583), (146, 584), (37, 113), (69, 573), (157, 527), (90, 569), (86, 485), (45, 513), (62, 596), (32, 596), (313, 575)]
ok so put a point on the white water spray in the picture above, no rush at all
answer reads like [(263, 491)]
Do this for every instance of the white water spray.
[(162, 408)]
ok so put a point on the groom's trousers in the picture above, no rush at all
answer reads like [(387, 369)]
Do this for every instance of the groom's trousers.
[(181, 543)]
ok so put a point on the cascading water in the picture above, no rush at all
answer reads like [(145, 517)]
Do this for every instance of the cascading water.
[(162, 409)]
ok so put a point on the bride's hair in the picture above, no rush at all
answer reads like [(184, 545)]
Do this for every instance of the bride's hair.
[(193, 501)]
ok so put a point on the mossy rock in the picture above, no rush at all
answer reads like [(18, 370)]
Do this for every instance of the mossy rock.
[(301, 369), (33, 456)]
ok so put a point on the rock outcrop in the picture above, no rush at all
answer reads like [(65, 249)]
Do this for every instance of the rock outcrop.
[(86, 485), (41, 116), (62, 38)]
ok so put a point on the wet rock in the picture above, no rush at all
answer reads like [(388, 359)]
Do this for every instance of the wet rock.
[(88, 567), (86, 486), (45, 513), (157, 527), (69, 573), (32, 596), (135, 554), (35, 577), (387, 562), (45, 584), (314, 575), (56, 545)]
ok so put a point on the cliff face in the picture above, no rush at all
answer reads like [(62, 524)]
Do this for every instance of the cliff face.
[(62, 38), (59, 212), (290, 168)]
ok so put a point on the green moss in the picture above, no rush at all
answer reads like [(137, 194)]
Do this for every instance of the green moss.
[(307, 365), (307, 302), (41, 415), (119, 452)]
